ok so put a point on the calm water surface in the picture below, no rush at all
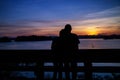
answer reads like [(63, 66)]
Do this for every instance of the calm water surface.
[(84, 44)]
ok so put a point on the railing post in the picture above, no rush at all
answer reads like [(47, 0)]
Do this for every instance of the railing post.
[(39, 71), (88, 69)]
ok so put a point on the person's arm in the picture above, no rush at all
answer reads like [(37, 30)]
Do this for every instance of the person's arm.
[(53, 44)]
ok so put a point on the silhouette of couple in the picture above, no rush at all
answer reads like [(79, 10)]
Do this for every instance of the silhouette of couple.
[(64, 48)]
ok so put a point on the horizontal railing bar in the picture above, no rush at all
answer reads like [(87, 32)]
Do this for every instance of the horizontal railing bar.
[(94, 55), (51, 68)]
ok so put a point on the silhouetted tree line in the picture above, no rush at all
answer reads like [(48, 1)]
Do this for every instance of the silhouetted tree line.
[(100, 36), (33, 38), (43, 38), (5, 39)]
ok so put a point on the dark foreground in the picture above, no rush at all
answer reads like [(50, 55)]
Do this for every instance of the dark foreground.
[(10, 60)]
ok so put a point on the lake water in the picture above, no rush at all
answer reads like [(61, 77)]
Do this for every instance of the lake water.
[(84, 44)]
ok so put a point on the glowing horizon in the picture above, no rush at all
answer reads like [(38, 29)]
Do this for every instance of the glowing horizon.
[(46, 17)]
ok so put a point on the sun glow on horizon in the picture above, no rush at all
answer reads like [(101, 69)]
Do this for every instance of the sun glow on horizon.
[(91, 31)]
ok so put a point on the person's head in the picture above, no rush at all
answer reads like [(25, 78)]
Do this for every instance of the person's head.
[(62, 33), (68, 28)]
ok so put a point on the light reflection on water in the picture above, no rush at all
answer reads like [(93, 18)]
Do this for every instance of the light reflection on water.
[(99, 44)]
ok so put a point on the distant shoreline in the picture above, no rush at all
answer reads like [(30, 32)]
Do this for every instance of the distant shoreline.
[(47, 38)]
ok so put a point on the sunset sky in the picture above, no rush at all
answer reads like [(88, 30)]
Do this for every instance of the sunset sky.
[(48, 17)]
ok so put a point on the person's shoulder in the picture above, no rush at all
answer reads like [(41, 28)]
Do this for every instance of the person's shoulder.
[(55, 39), (73, 34)]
